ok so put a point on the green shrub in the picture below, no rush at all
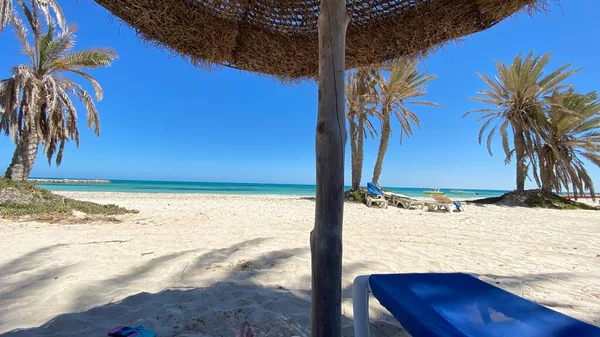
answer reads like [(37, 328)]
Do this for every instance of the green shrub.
[(18, 199), (535, 198), (536, 201), (357, 196)]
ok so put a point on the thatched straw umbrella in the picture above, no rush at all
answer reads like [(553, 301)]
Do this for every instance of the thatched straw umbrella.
[(296, 39)]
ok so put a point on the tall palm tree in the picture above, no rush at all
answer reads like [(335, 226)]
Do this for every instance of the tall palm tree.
[(361, 98), (37, 101), (518, 96), (7, 11), (404, 84), (572, 132)]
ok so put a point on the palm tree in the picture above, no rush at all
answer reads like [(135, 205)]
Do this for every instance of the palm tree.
[(517, 94), (572, 132), (404, 84), (361, 97), (37, 100), (7, 12)]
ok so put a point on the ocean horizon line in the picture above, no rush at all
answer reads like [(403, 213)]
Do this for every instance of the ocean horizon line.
[(267, 183), (170, 186)]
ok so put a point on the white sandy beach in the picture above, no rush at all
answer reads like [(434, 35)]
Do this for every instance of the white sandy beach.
[(199, 265)]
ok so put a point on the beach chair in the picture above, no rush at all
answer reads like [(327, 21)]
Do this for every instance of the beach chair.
[(459, 305), (442, 201), (445, 199), (374, 195), (404, 200)]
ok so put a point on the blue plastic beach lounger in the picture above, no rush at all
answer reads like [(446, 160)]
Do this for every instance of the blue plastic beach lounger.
[(459, 305), (372, 189)]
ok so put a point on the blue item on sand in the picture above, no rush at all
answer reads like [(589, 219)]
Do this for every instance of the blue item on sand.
[(372, 189), (125, 331), (461, 305), (458, 205)]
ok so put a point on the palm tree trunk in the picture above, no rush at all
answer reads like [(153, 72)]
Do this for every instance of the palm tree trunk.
[(354, 135), (383, 145), (520, 157), (360, 151), (24, 156), (546, 169), (546, 186)]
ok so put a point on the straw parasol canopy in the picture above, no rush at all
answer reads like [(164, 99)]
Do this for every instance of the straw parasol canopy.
[(279, 37), (295, 39)]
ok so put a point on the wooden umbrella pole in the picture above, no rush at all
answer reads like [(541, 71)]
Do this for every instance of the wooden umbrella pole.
[(326, 237)]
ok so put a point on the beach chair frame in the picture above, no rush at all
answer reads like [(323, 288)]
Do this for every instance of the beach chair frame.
[(360, 305), (381, 202)]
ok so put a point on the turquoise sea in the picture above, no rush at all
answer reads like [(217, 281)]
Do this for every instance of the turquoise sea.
[(144, 186)]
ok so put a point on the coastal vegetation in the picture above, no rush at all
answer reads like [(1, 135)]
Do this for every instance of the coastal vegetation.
[(361, 100), (20, 199), (372, 98), (405, 85), (37, 108), (536, 199), (518, 100), (570, 135), (547, 128), (37, 100), (554, 128)]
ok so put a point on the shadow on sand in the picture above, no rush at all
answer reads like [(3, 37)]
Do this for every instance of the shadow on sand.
[(215, 310)]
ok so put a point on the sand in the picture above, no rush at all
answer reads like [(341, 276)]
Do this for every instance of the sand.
[(199, 265)]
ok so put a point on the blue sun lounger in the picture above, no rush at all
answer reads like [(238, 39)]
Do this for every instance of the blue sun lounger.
[(459, 305), (375, 195)]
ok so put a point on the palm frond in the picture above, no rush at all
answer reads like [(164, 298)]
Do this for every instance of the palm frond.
[(70, 127), (9, 98), (21, 32), (404, 84), (6, 13), (486, 110), (55, 46), (490, 136), (361, 95), (89, 59), (509, 156), (504, 136), (32, 19), (93, 118), (61, 150), (482, 130), (46, 6)]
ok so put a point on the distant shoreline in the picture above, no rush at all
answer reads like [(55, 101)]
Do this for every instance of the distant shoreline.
[(134, 186), (69, 181), (95, 195)]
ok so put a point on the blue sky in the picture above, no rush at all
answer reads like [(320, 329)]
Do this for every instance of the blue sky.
[(162, 119)]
